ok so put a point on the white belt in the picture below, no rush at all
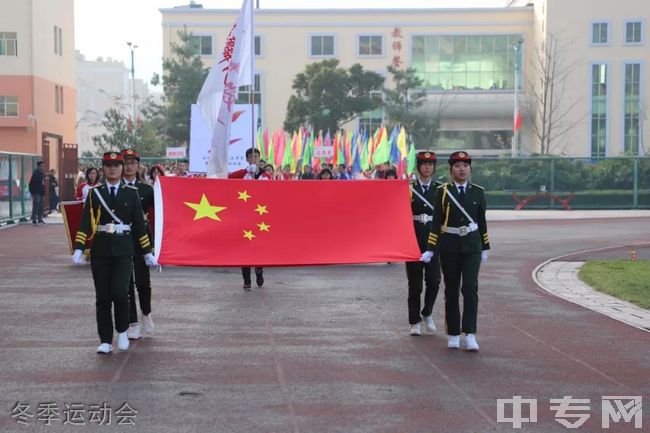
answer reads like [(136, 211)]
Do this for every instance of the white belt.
[(114, 228), (423, 218), (461, 231)]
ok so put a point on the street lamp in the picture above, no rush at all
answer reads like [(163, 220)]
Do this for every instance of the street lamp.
[(132, 46), (516, 122)]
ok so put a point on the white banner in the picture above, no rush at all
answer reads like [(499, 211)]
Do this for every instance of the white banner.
[(176, 152), (324, 152), (240, 138)]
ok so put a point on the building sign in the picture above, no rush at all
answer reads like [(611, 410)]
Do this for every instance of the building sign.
[(397, 47)]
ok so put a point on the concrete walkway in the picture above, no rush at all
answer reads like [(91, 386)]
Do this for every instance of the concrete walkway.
[(561, 279)]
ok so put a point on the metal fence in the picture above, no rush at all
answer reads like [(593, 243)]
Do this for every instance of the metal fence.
[(15, 174), (545, 182)]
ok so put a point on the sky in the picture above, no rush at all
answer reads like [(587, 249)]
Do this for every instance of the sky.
[(103, 27)]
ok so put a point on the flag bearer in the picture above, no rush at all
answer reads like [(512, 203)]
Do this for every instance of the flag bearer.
[(423, 193), (112, 213), (140, 269), (459, 236)]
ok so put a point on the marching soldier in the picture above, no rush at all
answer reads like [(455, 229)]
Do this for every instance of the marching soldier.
[(423, 193), (459, 236), (140, 269), (112, 213)]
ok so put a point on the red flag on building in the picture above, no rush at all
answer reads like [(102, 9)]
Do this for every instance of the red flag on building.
[(517, 122), (213, 222)]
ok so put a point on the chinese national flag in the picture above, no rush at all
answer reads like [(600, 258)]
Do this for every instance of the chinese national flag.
[(218, 222)]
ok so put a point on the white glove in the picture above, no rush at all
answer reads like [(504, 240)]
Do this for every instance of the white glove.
[(484, 256), (251, 169), (150, 260), (78, 257), (426, 256)]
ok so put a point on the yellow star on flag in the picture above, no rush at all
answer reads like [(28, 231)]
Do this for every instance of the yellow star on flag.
[(248, 234), (243, 195), (205, 210), (261, 209), (263, 227)]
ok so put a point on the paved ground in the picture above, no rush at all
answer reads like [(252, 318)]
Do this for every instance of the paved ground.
[(318, 349)]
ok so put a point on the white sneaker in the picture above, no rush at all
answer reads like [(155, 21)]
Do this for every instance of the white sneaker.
[(122, 341), (415, 330), (453, 341), (470, 343), (134, 332), (105, 348), (147, 324), (428, 320)]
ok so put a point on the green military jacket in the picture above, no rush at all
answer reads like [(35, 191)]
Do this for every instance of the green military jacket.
[(419, 207), (145, 191), (126, 206), (447, 214)]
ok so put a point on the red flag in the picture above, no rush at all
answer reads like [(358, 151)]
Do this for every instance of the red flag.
[(214, 222), (517, 124)]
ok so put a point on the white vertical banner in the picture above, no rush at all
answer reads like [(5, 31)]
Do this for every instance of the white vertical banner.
[(240, 138), (232, 69)]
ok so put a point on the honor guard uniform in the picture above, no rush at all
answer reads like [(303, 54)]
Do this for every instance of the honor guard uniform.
[(140, 269), (113, 215), (459, 237), (423, 193)]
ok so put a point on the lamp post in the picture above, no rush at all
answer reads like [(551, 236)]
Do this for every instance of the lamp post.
[(516, 116), (132, 46)]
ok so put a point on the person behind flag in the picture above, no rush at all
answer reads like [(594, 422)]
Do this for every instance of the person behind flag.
[(459, 237), (114, 214), (141, 275), (423, 194), (253, 171)]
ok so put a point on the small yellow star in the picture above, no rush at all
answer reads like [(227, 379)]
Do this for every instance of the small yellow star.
[(205, 210), (248, 234), (263, 227), (261, 209), (243, 195)]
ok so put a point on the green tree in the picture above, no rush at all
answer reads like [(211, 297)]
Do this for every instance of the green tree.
[(403, 106), (117, 135), (327, 96), (183, 77)]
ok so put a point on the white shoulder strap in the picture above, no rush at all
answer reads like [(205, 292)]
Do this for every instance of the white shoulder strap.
[(462, 209), (426, 202), (108, 209)]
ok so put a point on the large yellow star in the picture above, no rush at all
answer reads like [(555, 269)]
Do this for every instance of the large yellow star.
[(205, 210), (261, 209), (248, 234), (243, 195), (263, 227)]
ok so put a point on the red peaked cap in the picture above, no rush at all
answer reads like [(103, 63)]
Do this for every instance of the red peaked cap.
[(426, 156), (461, 155), (130, 154), (112, 157)]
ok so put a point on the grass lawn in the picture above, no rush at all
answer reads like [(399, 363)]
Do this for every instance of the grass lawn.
[(623, 279)]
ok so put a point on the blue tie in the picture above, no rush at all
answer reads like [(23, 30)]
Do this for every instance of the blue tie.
[(112, 192), (461, 193)]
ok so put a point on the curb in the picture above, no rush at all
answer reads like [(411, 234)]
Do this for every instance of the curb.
[(542, 265)]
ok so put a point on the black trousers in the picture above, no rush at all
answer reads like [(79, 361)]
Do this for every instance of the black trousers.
[(143, 283), (416, 272), (111, 276), (461, 276), (246, 273)]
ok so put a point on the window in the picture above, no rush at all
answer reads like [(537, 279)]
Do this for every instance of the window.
[(322, 45), (472, 62), (474, 140), (370, 46), (8, 44), (242, 96), (258, 46), (599, 34), (8, 106), (371, 120), (58, 99), (598, 110), (632, 119), (58, 41), (633, 33), (202, 45)]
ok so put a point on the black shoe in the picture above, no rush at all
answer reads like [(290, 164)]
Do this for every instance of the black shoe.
[(41, 222), (34, 222), (259, 279), (247, 286)]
